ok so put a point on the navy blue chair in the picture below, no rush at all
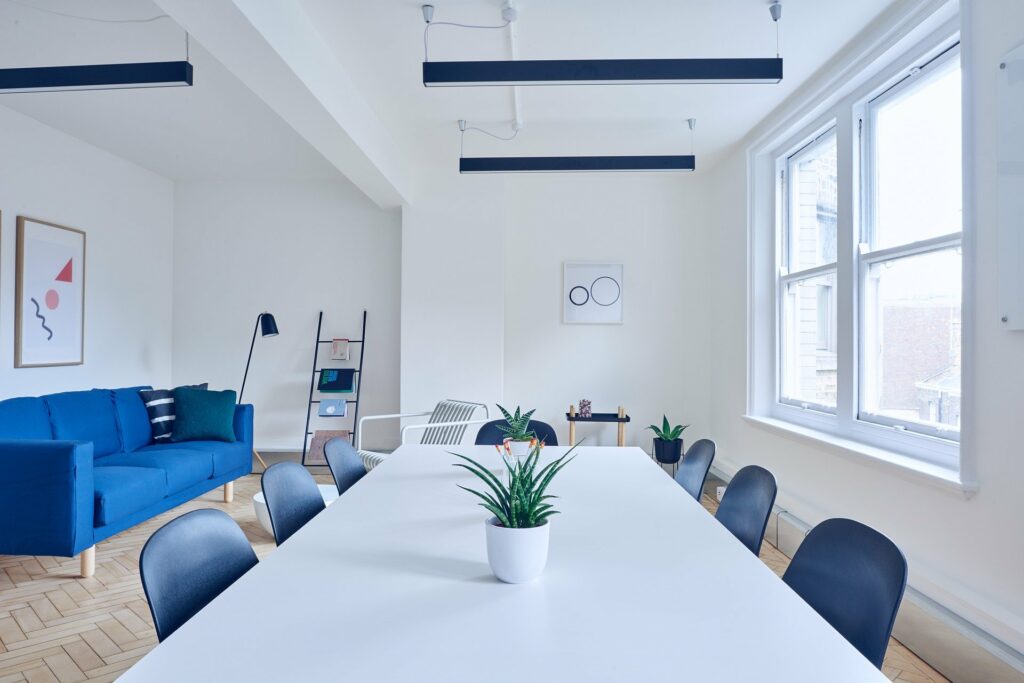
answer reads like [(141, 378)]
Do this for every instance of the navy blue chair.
[(747, 504), (344, 462), (190, 561), (292, 496), (490, 435), (854, 577), (693, 470)]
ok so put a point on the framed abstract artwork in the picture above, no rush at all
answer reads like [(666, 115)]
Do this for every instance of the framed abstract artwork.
[(49, 291), (592, 293)]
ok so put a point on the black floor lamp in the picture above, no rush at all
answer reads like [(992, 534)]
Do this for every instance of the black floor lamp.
[(267, 326)]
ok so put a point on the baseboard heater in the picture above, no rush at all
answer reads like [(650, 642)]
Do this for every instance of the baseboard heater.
[(956, 648)]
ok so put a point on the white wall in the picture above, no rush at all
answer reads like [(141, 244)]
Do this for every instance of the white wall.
[(481, 297), (652, 364), (966, 553), (293, 249), (127, 214), (452, 291)]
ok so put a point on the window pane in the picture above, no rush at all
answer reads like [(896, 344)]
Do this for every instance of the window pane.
[(811, 237), (912, 339), (917, 161), (808, 357)]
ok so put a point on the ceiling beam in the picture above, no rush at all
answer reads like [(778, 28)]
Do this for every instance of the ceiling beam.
[(276, 51)]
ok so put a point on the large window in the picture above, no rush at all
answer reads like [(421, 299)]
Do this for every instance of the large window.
[(808, 275), (911, 260), (868, 269)]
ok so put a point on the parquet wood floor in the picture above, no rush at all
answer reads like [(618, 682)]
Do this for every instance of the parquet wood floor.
[(56, 626)]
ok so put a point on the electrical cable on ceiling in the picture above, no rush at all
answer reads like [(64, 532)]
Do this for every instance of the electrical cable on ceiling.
[(426, 54), (97, 20), (463, 128), (775, 9)]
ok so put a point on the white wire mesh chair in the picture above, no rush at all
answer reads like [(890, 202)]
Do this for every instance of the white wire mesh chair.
[(446, 426)]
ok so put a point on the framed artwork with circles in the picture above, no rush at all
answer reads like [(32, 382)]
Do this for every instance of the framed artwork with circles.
[(591, 293)]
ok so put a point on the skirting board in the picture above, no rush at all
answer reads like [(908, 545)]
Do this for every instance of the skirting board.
[(951, 645), (954, 647)]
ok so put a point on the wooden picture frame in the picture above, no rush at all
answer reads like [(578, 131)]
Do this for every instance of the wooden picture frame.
[(49, 294)]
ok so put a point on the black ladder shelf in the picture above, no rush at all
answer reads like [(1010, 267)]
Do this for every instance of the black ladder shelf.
[(316, 372)]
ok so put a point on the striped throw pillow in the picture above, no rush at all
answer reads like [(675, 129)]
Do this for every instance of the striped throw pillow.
[(160, 406)]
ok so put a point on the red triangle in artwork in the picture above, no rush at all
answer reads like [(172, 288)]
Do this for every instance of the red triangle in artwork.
[(65, 273)]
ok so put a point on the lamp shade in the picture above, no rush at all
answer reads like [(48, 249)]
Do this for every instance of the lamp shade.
[(268, 326)]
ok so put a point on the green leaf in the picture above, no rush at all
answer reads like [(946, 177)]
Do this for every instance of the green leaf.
[(502, 517), (503, 411), (485, 474), (486, 498)]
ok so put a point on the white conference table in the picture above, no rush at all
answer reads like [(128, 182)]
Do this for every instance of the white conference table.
[(391, 583)]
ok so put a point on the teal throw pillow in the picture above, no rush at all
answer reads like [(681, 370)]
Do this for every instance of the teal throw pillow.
[(203, 415)]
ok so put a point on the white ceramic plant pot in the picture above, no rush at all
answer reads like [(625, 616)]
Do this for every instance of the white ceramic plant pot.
[(520, 449), (517, 555)]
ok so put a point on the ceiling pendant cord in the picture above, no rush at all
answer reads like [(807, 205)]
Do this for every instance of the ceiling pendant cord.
[(775, 9), (463, 127), (97, 20), (428, 19)]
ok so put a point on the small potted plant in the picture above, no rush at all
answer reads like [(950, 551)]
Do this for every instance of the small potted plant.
[(517, 534), (668, 444), (518, 436)]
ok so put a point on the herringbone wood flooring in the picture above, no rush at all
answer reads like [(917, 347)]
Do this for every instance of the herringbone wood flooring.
[(56, 626)]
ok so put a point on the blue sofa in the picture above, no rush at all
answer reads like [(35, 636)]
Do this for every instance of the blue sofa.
[(81, 466)]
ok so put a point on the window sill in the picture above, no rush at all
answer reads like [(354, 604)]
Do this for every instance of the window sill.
[(895, 463)]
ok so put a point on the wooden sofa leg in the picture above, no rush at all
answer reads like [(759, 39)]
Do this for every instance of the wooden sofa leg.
[(229, 492), (88, 559)]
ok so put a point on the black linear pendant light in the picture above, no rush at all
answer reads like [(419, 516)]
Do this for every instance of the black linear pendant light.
[(581, 164), (602, 72), (575, 164), (98, 76), (596, 71)]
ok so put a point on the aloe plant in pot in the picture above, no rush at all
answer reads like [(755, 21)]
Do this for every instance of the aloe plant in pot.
[(516, 429), (517, 534), (668, 442)]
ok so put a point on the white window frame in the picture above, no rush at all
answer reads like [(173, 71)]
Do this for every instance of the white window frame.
[(867, 256), (844, 109), (786, 278)]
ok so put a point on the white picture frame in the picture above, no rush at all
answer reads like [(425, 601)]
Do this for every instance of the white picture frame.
[(592, 293)]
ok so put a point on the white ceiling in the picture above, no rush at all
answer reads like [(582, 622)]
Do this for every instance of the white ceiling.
[(381, 43), (217, 129), (220, 129)]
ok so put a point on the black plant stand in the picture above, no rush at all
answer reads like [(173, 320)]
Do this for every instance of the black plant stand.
[(620, 418)]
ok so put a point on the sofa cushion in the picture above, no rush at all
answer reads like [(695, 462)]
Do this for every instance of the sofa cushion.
[(182, 468), (85, 416), (227, 457), (160, 408), (204, 415), (120, 491), (132, 418), (24, 418)]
